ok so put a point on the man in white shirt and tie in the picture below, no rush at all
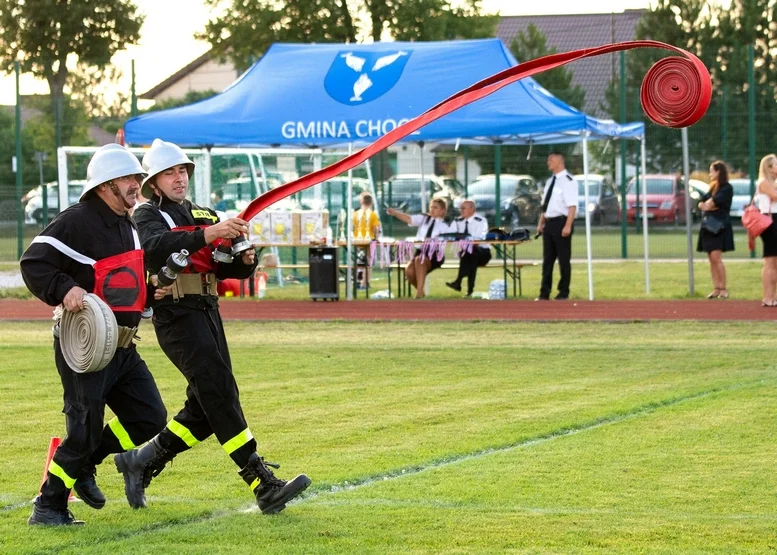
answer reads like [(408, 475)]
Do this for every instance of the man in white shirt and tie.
[(476, 227), (559, 204)]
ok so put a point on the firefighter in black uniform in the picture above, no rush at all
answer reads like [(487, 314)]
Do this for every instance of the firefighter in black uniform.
[(475, 227), (190, 331), (67, 260)]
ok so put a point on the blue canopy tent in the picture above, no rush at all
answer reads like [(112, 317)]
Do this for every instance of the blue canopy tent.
[(338, 94), (328, 95)]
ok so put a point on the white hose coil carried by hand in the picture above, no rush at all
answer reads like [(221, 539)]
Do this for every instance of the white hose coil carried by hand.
[(90, 336)]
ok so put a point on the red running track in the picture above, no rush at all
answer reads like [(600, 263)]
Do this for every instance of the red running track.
[(517, 310)]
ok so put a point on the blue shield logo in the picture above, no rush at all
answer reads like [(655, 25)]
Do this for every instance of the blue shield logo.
[(360, 77)]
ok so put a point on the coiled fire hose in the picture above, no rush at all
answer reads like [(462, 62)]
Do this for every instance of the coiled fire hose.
[(90, 336), (676, 92)]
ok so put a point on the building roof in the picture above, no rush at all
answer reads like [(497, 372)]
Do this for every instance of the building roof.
[(27, 113), (97, 134), (572, 32), (175, 77)]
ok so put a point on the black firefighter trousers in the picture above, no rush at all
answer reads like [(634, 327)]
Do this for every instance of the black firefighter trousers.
[(193, 339), (128, 388), (469, 263)]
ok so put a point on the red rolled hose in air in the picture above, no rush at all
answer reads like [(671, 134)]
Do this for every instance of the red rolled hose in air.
[(676, 92)]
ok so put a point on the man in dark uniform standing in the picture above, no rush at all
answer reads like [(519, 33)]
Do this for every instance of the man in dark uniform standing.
[(475, 227), (559, 205), (190, 331), (62, 264)]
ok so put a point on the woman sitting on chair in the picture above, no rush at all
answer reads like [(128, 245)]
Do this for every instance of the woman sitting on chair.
[(429, 226)]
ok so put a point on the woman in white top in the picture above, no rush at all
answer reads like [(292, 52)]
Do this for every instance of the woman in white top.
[(766, 198), (429, 226)]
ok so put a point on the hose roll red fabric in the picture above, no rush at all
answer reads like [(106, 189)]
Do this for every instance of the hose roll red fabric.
[(676, 93)]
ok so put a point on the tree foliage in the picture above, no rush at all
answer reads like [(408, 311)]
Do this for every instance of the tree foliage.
[(533, 44), (7, 151), (38, 136), (720, 38), (527, 46), (245, 30), (189, 98), (99, 92), (44, 34), (439, 20)]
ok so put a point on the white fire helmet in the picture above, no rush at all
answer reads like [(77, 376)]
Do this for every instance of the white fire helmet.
[(161, 156), (109, 162)]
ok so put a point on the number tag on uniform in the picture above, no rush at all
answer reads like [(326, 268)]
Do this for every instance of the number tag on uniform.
[(204, 214)]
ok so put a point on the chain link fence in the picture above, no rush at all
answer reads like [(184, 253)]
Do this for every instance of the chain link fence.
[(408, 175)]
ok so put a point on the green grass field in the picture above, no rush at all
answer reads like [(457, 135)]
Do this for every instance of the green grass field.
[(612, 280), (441, 438), (663, 242)]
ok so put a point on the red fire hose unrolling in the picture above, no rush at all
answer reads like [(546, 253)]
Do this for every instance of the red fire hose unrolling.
[(676, 92)]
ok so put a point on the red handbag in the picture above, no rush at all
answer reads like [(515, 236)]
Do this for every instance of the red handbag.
[(755, 223)]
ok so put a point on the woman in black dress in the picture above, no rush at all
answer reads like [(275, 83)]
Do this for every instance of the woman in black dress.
[(716, 235)]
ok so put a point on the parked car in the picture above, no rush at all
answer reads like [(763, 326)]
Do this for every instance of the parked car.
[(742, 196), (665, 198), (520, 199), (337, 186), (241, 190), (406, 191), (33, 209), (603, 201)]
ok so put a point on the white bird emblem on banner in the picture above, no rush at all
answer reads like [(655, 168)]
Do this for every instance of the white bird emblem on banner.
[(363, 82)]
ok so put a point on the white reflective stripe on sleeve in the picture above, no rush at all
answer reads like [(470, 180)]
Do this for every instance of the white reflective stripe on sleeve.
[(64, 249), (136, 238), (168, 219)]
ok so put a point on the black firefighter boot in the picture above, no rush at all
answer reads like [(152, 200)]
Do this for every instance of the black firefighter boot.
[(86, 487), (271, 493), (139, 466), (51, 510), (50, 516)]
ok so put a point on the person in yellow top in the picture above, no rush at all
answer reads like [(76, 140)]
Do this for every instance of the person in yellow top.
[(366, 227), (366, 223)]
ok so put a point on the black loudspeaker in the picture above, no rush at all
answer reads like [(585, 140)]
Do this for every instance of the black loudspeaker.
[(324, 273)]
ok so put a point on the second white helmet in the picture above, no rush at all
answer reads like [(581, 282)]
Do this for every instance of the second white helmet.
[(161, 156), (109, 162)]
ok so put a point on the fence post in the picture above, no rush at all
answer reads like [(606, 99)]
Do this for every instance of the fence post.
[(624, 207), (497, 184), (688, 233), (134, 97), (20, 212), (466, 171), (724, 121), (751, 120), (58, 115)]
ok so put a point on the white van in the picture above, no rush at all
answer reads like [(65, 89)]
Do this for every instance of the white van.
[(33, 210)]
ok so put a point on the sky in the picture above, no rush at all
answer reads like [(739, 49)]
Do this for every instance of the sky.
[(167, 44)]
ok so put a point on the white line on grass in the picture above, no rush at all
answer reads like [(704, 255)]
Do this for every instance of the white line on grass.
[(410, 471), (561, 433)]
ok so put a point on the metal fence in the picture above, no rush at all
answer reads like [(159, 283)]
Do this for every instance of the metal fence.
[(735, 129)]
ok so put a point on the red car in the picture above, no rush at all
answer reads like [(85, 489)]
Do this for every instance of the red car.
[(665, 198)]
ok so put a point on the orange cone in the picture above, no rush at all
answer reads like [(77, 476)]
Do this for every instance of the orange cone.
[(53, 444)]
